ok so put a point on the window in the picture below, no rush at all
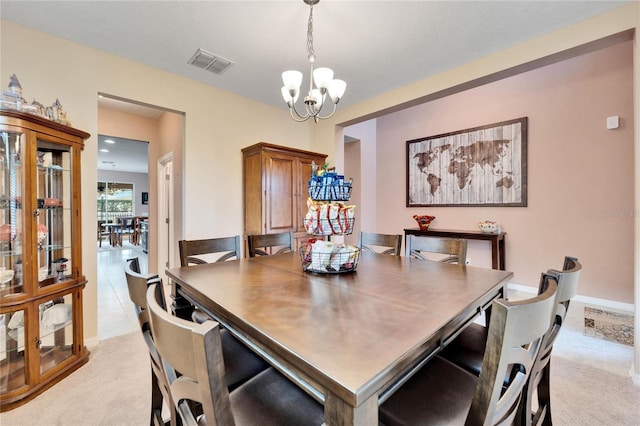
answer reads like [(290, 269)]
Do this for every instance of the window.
[(115, 199)]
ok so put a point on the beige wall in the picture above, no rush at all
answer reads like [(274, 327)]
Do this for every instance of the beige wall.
[(217, 125), (580, 175)]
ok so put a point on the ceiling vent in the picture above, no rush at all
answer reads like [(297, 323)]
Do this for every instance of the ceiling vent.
[(210, 62)]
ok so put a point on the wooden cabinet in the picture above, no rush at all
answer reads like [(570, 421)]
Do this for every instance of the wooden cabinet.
[(275, 187), (41, 281)]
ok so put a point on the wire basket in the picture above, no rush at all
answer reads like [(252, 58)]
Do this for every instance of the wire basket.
[(324, 262), (328, 227), (330, 192)]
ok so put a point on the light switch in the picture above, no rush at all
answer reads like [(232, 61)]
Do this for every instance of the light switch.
[(613, 122)]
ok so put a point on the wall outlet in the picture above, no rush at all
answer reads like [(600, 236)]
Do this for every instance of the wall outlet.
[(468, 262)]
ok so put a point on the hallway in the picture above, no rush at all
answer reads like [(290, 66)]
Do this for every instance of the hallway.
[(116, 315)]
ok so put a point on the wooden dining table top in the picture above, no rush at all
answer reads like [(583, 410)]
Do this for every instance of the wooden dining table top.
[(350, 335)]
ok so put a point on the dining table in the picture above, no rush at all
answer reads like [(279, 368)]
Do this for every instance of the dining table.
[(348, 339)]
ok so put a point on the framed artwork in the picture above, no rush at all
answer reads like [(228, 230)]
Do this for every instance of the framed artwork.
[(145, 198), (479, 167)]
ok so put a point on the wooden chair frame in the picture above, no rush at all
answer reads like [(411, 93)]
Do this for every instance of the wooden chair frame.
[(263, 245), (369, 240), (540, 376), (189, 249), (455, 248), (138, 284)]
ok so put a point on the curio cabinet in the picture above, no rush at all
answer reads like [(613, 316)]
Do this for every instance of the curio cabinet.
[(41, 280)]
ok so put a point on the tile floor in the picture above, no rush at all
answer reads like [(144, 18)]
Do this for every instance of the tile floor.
[(116, 316)]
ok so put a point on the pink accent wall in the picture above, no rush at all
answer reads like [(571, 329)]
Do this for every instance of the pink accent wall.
[(580, 177)]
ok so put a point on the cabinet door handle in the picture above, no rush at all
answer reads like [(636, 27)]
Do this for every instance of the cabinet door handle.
[(36, 213), (38, 343)]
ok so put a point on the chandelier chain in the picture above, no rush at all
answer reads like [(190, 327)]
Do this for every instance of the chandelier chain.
[(310, 35)]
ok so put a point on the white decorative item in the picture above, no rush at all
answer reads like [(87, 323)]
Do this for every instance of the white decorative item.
[(6, 275), (43, 272), (489, 227)]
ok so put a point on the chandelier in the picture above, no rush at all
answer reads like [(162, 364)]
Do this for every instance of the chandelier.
[(323, 78)]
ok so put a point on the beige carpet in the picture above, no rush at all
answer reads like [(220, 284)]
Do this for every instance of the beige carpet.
[(113, 389)]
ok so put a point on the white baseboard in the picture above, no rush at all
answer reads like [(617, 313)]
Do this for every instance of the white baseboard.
[(635, 375), (605, 303), (91, 342)]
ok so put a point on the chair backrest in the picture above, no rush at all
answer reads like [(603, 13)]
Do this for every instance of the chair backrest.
[(567, 288), (369, 241), (189, 249), (267, 244), (515, 337), (195, 350), (455, 248), (138, 284)]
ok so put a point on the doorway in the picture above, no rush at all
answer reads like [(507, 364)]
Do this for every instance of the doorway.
[(166, 235)]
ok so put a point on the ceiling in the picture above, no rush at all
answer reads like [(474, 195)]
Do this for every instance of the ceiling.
[(375, 46)]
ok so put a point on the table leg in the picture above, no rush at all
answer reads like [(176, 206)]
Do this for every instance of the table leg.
[(495, 255), (339, 412), (180, 306), (501, 252)]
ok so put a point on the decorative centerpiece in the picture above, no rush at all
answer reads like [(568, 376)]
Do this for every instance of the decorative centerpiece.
[(325, 219), (423, 221), (489, 227), (325, 257)]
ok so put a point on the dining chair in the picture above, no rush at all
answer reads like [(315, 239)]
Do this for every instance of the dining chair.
[(195, 350), (190, 249), (372, 242), (208, 249), (103, 231), (268, 244), (467, 349), (455, 249), (137, 285), (443, 393), (242, 363), (540, 382)]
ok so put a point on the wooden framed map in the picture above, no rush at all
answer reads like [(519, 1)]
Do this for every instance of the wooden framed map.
[(483, 166)]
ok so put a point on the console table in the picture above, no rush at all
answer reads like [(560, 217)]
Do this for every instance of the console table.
[(497, 241)]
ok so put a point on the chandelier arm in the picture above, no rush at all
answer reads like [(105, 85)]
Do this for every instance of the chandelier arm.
[(296, 115), (318, 116)]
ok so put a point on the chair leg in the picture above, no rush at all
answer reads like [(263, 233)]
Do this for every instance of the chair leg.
[(156, 402), (544, 393)]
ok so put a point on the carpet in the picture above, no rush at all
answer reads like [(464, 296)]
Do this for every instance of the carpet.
[(609, 325), (114, 389)]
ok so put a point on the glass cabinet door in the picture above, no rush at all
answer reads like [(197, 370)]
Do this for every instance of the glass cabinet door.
[(56, 332), (12, 351), (11, 212), (54, 198)]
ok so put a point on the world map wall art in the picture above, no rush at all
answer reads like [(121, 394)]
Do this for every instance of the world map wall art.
[(483, 166)]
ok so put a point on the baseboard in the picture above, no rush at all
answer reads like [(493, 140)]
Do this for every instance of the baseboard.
[(91, 342), (605, 303), (635, 375)]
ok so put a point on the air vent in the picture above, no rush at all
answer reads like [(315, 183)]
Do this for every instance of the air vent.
[(210, 62)]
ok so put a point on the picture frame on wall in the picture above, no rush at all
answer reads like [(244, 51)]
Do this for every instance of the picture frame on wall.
[(145, 198), (483, 166)]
